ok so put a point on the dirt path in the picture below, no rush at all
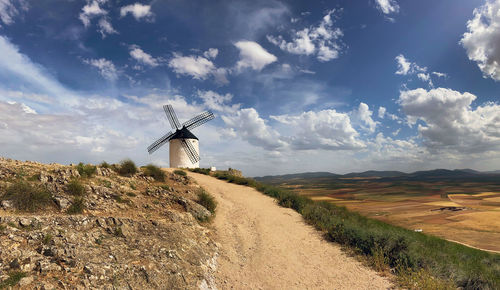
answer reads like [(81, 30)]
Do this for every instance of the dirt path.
[(265, 246)]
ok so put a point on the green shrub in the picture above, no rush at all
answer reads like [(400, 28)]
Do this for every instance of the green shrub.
[(131, 194), (105, 164), (77, 206), (127, 167), (27, 197), (75, 188), (206, 200), (155, 172), (86, 170), (14, 278), (205, 171), (180, 172), (120, 199), (47, 239)]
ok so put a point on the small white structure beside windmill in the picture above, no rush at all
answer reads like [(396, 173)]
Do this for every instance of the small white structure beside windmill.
[(184, 151)]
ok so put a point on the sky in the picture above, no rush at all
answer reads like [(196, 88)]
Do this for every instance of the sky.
[(295, 86)]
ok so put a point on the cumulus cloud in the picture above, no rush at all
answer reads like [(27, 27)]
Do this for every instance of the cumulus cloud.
[(197, 67), (322, 40), (93, 10), (381, 112), (253, 55), (142, 57), (482, 40), (106, 68), (9, 9), (218, 102), (363, 116), (138, 10), (449, 121), (249, 126), (211, 53), (326, 129), (406, 67), (387, 6)]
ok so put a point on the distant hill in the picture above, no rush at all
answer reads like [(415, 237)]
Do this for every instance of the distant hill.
[(435, 174)]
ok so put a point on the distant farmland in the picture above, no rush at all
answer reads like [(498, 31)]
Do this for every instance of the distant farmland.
[(465, 210)]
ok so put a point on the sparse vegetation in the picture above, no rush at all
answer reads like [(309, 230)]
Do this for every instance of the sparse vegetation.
[(127, 168), (75, 188), (14, 278), (118, 232), (180, 172), (205, 171), (77, 206), (105, 164), (155, 172), (28, 197), (47, 239), (206, 200), (131, 194), (120, 199), (420, 261), (86, 170)]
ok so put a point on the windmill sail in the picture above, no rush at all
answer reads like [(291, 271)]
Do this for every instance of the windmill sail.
[(190, 151), (172, 117), (158, 143), (198, 120)]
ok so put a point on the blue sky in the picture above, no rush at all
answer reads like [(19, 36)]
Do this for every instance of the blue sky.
[(296, 85)]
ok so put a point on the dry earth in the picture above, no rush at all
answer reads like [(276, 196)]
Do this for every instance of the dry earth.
[(265, 246)]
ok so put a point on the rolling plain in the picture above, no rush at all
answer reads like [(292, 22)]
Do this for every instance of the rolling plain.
[(462, 208)]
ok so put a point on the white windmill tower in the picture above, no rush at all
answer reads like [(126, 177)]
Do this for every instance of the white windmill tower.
[(184, 145)]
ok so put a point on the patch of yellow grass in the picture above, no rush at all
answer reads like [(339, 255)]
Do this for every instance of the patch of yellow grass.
[(488, 193), (443, 203), (486, 221), (492, 199), (323, 198)]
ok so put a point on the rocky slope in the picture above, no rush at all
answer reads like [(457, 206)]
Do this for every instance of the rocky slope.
[(134, 232)]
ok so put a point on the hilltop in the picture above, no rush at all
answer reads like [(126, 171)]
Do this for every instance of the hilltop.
[(84, 226)]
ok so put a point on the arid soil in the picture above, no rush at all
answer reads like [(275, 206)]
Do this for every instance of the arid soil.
[(265, 246)]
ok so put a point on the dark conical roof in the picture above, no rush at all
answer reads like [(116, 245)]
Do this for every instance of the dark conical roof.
[(183, 134)]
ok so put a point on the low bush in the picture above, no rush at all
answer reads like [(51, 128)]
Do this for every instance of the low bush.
[(127, 167), (77, 206), (75, 188), (154, 171), (86, 170), (104, 164), (13, 279), (421, 261), (206, 200), (180, 172), (205, 171), (28, 197)]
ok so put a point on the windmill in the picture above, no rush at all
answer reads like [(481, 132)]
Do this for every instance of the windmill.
[(184, 151)]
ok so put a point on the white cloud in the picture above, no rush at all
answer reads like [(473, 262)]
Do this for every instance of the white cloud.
[(426, 78), (406, 67), (387, 6), (439, 75), (450, 123), (363, 116), (253, 55), (105, 27), (139, 11), (249, 126), (142, 57), (93, 10), (322, 40), (218, 102), (90, 10), (326, 129), (482, 41), (381, 112), (9, 9), (106, 68), (198, 68), (211, 53)]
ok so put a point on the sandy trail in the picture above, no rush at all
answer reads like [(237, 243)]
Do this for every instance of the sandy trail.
[(265, 246)]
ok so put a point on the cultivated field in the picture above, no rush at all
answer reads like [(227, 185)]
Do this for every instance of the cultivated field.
[(461, 211)]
